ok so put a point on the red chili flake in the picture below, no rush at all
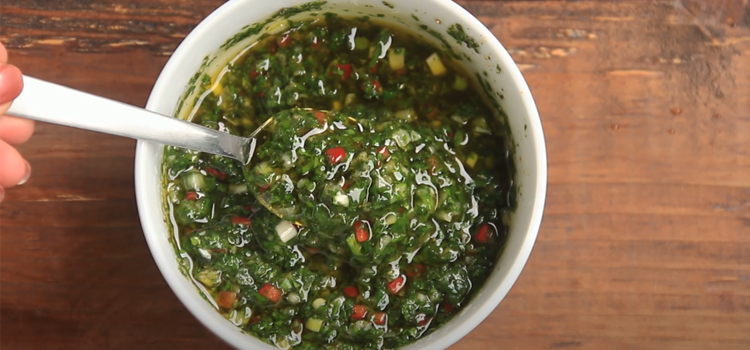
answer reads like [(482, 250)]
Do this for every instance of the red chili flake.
[(261, 94), (191, 196), (346, 69), (351, 291), (377, 86), (413, 270), (359, 312), (264, 188), (240, 220), (248, 208), (297, 325), (431, 111), (219, 250), (316, 43), (361, 231), (483, 233), (374, 68), (401, 71), (226, 299), (397, 284), (432, 161), (448, 307), (422, 320), (321, 117), (313, 250), (216, 173), (254, 74), (188, 231), (336, 154), (270, 292), (346, 185), (285, 41), (379, 318), (254, 319), (384, 152)]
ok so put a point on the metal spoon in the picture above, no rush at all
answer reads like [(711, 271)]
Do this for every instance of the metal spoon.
[(48, 102)]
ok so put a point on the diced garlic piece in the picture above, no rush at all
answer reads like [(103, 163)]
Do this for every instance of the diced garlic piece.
[(318, 302), (341, 199), (286, 230)]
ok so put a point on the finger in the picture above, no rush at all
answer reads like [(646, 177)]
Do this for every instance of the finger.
[(15, 131), (11, 83), (14, 170), (3, 54)]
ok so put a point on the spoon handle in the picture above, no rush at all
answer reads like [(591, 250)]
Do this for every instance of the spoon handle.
[(47, 102)]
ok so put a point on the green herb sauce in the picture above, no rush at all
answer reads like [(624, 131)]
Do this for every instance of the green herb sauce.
[(401, 189)]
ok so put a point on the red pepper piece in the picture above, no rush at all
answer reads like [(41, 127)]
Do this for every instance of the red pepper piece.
[(321, 117), (432, 161), (270, 292), (254, 319), (346, 69), (351, 291), (240, 220), (483, 233), (448, 307), (359, 312), (379, 318), (191, 196), (285, 40), (378, 87), (397, 284), (254, 74), (216, 173), (316, 43), (384, 152), (361, 231), (336, 154), (226, 299), (413, 270)]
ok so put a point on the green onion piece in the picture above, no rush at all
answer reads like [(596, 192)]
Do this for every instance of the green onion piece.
[(355, 247), (361, 43), (471, 160), (460, 84)]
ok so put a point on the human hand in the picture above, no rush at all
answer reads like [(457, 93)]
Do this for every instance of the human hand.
[(14, 170)]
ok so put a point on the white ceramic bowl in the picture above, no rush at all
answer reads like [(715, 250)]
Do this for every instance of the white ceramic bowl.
[(523, 121)]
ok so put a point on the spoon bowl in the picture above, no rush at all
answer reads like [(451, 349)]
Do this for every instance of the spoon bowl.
[(70, 107)]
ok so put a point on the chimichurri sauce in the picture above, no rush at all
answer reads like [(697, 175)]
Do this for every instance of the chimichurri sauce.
[(400, 190)]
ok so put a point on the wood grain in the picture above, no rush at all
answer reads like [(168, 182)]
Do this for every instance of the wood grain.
[(645, 242)]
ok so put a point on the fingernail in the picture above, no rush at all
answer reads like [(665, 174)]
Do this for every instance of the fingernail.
[(2, 194), (26, 175), (10, 83)]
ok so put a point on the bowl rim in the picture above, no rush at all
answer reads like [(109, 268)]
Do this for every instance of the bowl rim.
[(175, 279)]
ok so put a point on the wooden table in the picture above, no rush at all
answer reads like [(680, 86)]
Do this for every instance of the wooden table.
[(645, 242)]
